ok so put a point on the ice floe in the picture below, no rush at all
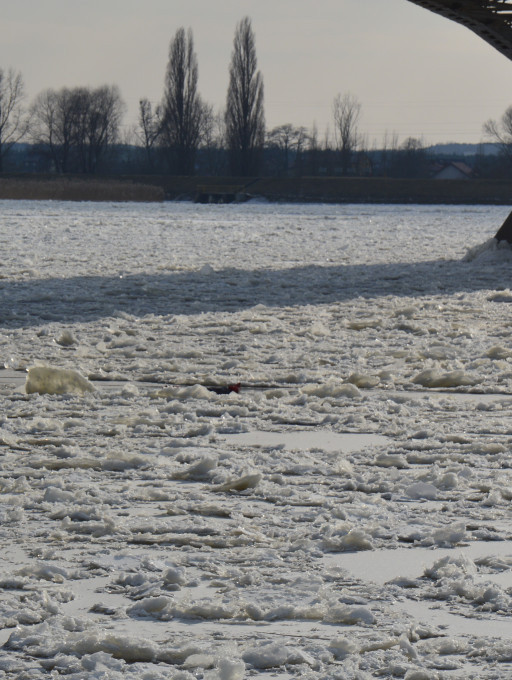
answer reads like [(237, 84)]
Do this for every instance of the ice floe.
[(345, 515), (51, 380)]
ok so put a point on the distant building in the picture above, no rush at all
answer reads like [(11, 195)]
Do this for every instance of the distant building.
[(454, 170)]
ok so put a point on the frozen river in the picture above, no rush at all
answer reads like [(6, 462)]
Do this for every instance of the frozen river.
[(346, 515)]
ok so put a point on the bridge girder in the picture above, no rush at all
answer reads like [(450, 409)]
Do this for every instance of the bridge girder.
[(490, 19)]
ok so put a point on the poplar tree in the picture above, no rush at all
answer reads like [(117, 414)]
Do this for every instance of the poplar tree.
[(245, 118), (182, 108)]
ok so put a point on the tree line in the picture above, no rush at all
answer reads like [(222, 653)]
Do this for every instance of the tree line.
[(78, 130)]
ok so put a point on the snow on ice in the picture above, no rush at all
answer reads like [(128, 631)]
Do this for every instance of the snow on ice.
[(345, 515)]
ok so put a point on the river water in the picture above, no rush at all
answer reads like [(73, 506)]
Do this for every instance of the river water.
[(346, 514)]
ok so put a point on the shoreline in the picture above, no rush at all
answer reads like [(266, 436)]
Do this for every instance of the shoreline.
[(151, 188)]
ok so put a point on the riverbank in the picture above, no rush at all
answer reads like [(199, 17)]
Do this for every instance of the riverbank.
[(57, 188), (225, 189)]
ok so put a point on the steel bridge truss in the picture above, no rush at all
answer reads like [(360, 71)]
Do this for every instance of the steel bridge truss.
[(490, 19)]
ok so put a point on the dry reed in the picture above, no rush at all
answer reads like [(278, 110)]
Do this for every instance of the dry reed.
[(63, 189)]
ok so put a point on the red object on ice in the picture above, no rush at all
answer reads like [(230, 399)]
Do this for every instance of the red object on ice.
[(225, 389)]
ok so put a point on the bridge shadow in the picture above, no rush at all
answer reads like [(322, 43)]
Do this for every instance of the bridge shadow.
[(86, 298)]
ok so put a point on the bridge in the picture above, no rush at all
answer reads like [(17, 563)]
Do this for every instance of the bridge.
[(492, 21)]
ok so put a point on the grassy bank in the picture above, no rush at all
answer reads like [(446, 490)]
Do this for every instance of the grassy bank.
[(344, 189), (305, 189), (385, 190)]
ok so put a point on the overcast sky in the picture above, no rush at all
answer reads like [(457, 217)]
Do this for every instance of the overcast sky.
[(415, 73)]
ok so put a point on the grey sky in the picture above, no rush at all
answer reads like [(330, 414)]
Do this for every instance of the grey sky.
[(415, 74)]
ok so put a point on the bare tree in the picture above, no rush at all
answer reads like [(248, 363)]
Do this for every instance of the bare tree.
[(102, 113), (13, 119), (245, 119), (289, 140), (55, 117), (77, 126), (328, 154), (300, 141), (500, 132), (313, 151), (213, 142), (389, 149), (411, 159), (346, 113), (149, 128), (183, 111)]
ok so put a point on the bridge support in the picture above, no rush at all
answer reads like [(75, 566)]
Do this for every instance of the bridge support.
[(504, 233)]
